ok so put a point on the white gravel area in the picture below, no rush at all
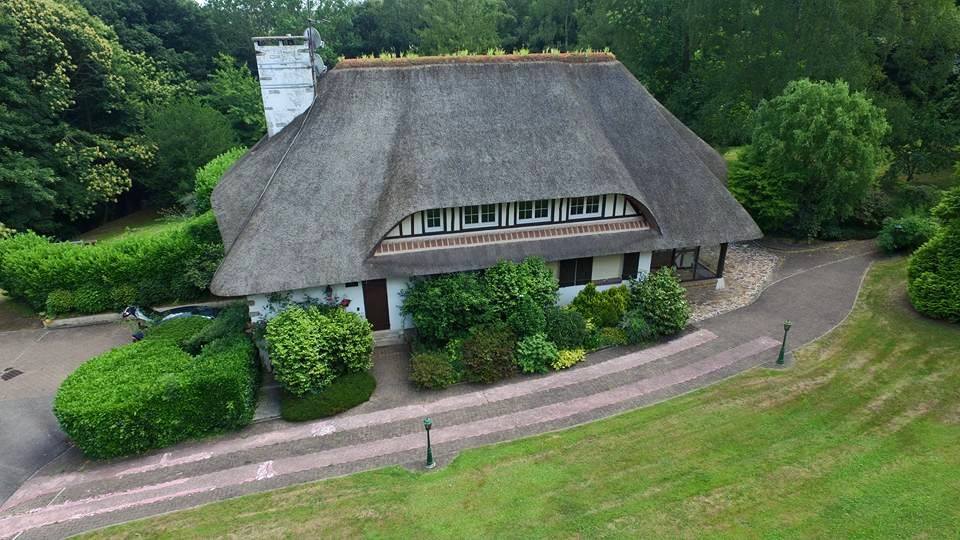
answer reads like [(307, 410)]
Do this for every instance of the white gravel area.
[(747, 271)]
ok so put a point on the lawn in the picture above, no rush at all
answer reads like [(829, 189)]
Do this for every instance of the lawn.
[(141, 222), (859, 440)]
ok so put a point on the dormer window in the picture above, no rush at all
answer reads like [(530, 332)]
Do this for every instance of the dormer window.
[(533, 211), (582, 207), (480, 215), (433, 220)]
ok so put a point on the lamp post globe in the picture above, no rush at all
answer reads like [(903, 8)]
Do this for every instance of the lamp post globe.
[(427, 424)]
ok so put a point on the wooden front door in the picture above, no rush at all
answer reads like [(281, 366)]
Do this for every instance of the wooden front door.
[(375, 303)]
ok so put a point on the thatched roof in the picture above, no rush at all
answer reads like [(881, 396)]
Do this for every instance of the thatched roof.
[(381, 143)]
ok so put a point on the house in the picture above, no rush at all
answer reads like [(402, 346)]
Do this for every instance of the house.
[(431, 165)]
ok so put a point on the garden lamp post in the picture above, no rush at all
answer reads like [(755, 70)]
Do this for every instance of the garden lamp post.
[(783, 346), (427, 424)]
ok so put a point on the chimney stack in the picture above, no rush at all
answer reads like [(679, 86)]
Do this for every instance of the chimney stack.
[(286, 78)]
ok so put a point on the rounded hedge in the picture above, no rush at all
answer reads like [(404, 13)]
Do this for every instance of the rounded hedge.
[(310, 347), (527, 318), (933, 275), (152, 394), (433, 370), (346, 392), (605, 308), (566, 328), (662, 300), (445, 307), (906, 233)]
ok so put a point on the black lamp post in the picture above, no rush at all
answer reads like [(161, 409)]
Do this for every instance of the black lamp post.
[(783, 346), (427, 424)]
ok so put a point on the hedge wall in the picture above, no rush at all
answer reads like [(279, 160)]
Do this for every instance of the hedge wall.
[(153, 394), (144, 269)]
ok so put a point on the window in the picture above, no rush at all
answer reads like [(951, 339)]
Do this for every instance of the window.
[(434, 220), (576, 271), (480, 215), (533, 211), (581, 207)]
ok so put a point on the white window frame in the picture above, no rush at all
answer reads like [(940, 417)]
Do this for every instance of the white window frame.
[(584, 203), (533, 211), (481, 222), (426, 220)]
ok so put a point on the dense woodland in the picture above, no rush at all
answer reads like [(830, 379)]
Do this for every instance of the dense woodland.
[(106, 105)]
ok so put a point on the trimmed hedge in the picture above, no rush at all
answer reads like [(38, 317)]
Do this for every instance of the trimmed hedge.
[(146, 269), (179, 330), (662, 301), (310, 347), (445, 307), (605, 308), (346, 392), (152, 394), (566, 328), (209, 175), (933, 276)]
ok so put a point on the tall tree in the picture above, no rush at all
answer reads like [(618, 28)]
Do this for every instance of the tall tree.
[(455, 25), (234, 92), (72, 103)]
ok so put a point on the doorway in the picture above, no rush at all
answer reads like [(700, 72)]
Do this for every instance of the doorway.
[(375, 303)]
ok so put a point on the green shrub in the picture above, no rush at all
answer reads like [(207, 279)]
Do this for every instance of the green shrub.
[(209, 175), (535, 354), (527, 318), (445, 307), (59, 302), (610, 337), (636, 329), (488, 353), (232, 320), (507, 283), (175, 264), (604, 308), (152, 394), (180, 331), (906, 233), (344, 393), (567, 358), (432, 370), (310, 347), (933, 274), (565, 328), (662, 300)]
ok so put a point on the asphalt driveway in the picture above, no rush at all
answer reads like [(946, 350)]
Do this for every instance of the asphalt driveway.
[(29, 436)]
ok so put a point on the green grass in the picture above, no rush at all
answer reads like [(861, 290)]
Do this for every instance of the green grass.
[(730, 153), (346, 392), (858, 440), (141, 222)]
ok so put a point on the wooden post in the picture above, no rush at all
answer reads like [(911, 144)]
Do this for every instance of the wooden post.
[(721, 260)]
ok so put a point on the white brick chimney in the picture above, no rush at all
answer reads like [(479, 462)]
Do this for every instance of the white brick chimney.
[(286, 80)]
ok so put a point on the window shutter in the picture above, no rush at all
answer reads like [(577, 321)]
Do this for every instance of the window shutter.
[(630, 263), (584, 270), (568, 272)]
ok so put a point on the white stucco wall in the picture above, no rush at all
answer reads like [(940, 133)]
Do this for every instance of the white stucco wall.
[(606, 267)]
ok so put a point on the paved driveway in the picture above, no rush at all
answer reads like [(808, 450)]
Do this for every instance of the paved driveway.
[(29, 436)]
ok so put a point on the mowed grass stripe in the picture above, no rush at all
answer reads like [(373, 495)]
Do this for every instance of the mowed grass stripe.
[(858, 440)]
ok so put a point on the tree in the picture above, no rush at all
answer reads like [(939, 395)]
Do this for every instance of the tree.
[(186, 134), (933, 276), (814, 154), (73, 102), (458, 25), (176, 33), (234, 92)]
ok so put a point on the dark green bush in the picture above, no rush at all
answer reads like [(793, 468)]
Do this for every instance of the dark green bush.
[(152, 394), (535, 354), (906, 233), (310, 347), (433, 370), (488, 353), (527, 318), (231, 321), (445, 307), (636, 329), (565, 328), (346, 391), (507, 283), (604, 308), (148, 269), (662, 300), (933, 275)]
